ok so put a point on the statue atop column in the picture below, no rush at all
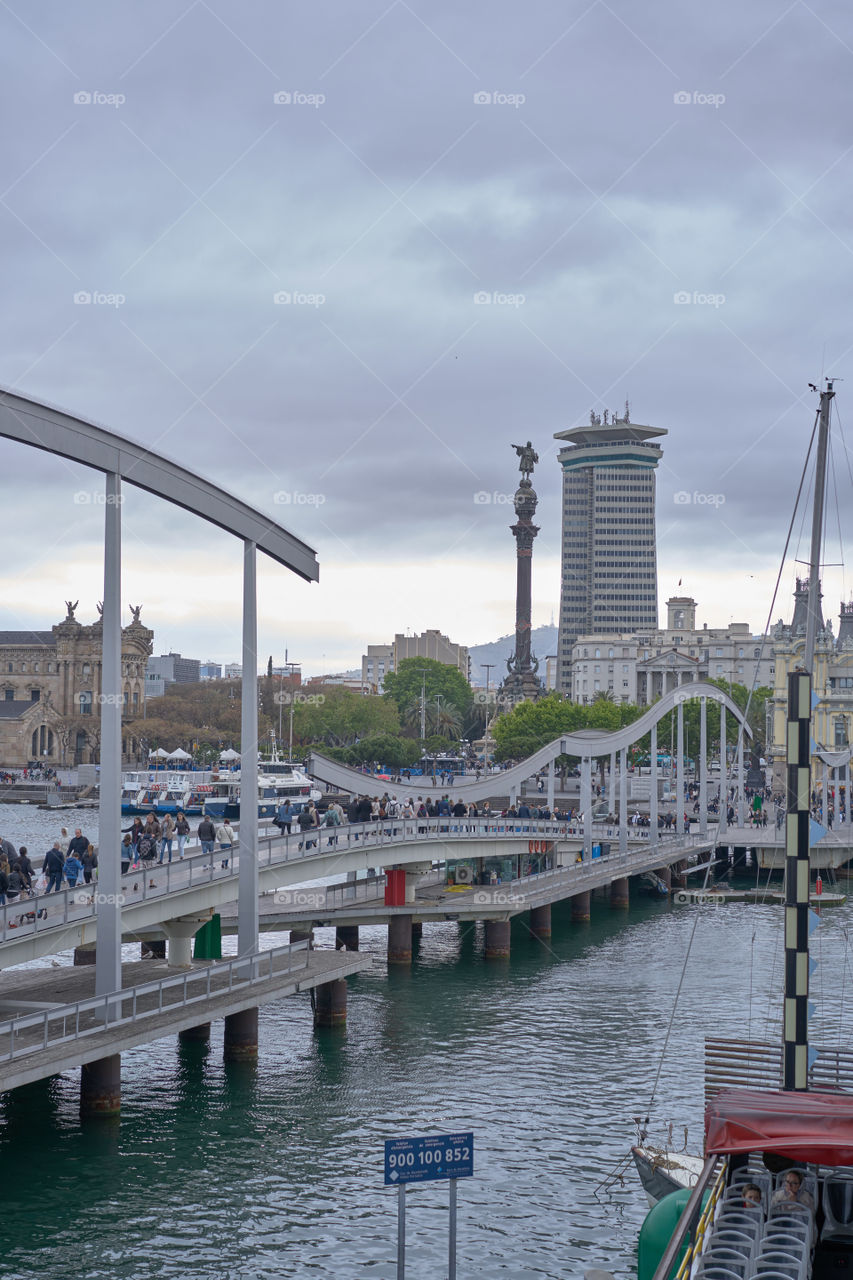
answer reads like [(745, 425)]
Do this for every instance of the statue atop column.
[(527, 458), (521, 680)]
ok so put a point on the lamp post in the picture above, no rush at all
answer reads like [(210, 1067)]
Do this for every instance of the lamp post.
[(487, 666)]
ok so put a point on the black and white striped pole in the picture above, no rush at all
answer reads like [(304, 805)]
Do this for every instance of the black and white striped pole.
[(795, 1030), (795, 1067)]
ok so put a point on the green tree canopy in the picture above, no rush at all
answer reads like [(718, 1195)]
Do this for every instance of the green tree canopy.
[(532, 725), (445, 688), (385, 748)]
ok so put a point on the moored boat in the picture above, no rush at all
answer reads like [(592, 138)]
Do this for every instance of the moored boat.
[(224, 798)]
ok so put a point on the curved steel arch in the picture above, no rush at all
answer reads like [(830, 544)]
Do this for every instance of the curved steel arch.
[(44, 427), (586, 742), (584, 739)]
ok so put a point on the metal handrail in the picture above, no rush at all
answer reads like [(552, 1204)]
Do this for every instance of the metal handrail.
[(694, 1220), (257, 968)]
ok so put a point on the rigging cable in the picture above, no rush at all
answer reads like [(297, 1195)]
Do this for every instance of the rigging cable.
[(739, 741)]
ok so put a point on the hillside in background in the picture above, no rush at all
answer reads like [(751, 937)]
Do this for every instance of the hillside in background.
[(543, 641)]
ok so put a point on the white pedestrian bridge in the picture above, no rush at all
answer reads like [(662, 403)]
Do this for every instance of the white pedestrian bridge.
[(197, 886)]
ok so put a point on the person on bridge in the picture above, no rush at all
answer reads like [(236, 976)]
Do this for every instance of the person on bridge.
[(127, 854), (73, 870), (332, 819), (182, 830), (134, 831), (166, 836), (225, 839), (207, 835), (284, 818), (78, 845), (28, 871), (54, 861), (90, 863)]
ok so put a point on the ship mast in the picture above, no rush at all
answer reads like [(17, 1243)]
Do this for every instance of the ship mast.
[(798, 817)]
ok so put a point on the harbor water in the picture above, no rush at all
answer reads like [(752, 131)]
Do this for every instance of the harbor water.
[(276, 1170)]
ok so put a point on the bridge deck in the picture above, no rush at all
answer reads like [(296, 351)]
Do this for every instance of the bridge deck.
[(363, 902), (62, 1035)]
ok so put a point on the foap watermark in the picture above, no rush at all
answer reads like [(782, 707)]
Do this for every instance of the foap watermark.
[(95, 98), (496, 898), (484, 499), (110, 699), (498, 99), (695, 98), (295, 498), (697, 299), (91, 897), (285, 298), (684, 499), (314, 898), (700, 897), (97, 498), (296, 98), (288, 697), (483, 298), (96, 298)]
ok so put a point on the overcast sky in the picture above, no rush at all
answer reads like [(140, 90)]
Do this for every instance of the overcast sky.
[(585, 167)]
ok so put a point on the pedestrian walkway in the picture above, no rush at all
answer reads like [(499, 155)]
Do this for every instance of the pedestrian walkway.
[(63, 1025)]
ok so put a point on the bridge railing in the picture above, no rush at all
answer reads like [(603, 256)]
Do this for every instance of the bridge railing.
[(35, 1032), (51, 911)]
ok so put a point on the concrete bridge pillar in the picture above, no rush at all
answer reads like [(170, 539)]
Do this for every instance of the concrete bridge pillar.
[(679, 872), (540, 921), (180, 934), (302, 935), (619, 896), (153, 950), (241, 1036), (497, 939), (346, 937), (580, 906), (330, 1009), (195, 1035), (84, 955), (400, 940), (721, 861), (100, 1087), (665, 874)]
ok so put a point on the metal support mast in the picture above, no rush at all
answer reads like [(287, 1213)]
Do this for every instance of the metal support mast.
[(798, 780)]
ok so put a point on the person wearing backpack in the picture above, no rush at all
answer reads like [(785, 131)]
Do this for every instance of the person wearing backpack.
[(332, 820), (305, 824), (207, 835)]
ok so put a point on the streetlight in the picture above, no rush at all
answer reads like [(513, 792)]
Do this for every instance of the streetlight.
[(487, 666), (291, 666)]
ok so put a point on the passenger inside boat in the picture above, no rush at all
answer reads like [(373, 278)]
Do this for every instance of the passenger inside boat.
[(775, 1199)]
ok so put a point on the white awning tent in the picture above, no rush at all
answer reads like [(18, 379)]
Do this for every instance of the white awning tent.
[(179, 754), (159, 753), (230, 754)]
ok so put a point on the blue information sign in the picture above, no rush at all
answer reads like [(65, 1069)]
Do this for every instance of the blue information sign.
[(446, 1155)]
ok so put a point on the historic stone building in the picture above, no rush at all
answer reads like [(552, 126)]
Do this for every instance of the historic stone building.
[(50, 689), (832, 680)]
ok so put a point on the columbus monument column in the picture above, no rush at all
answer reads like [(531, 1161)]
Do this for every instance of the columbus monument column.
[(521, 680)]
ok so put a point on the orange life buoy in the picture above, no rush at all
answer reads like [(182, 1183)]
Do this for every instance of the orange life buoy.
[(529, 846)]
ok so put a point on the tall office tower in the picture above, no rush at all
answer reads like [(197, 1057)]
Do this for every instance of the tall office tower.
[(609, 561)]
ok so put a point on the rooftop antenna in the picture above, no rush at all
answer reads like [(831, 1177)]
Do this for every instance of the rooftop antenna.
[(627, 412)]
